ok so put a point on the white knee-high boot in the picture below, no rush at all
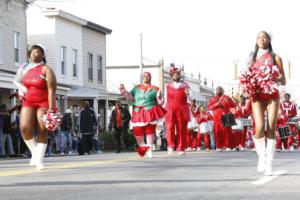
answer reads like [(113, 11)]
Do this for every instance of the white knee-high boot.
[(32, 146), (140, 140), (150, 142), (260, 147), (41, 149), (270, 150)]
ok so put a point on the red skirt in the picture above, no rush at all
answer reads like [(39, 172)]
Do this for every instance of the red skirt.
[(265, 97), (148, 115)]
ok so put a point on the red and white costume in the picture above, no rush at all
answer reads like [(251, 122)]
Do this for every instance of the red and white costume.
[(191, 134), (246, 111), (32, 86), (261, 81), (203, 117), (237, 134), (147, 112), (178, 114), (281, 121), (289, 109), (223, 135)]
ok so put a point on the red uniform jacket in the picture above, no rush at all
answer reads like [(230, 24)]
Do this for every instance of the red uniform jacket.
[(246, 109), (281, 120), (177, 103), (203, 117), (237, 111), (289, 109), (226, 102)]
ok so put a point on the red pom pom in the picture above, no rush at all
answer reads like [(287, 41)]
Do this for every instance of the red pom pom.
[(142, 150), (52, 120), (260, 79)]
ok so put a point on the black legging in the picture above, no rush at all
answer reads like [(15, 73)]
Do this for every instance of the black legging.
[(118, 132), (87, 143)]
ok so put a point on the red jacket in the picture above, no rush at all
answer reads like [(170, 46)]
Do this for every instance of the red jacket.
[(237, 111), (281, 120), (246, 109), (203, 117), (289, 109), (226, 102)]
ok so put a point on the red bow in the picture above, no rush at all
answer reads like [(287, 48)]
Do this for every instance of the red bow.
[(174, 70)]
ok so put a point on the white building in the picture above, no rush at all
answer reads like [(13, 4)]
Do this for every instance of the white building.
[(13, 51), (76, 50)]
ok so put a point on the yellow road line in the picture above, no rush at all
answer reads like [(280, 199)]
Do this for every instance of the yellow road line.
[(81, 164)]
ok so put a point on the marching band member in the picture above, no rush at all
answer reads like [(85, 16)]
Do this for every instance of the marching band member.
[(281, 121), (191, 135), (261, 81), (289, 109), (147, 112), (221, 104), (178, 111), (203, 117), (238, 131), (246, 112)]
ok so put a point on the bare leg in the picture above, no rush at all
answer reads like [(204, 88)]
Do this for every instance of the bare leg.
[(258, 114), (272, 108), (42, 136), (27, 122)]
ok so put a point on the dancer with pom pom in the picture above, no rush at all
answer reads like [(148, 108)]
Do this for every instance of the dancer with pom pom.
[(36, 83), (261, 81)]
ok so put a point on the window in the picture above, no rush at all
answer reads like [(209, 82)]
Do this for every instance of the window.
[(99, 69), (1, 48), (63, 60), (90, 67), (75, 62), (17, 46)]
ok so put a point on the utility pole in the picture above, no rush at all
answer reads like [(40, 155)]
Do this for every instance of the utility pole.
[(142, 64)]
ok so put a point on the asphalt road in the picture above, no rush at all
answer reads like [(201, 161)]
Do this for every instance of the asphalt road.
[(197, 175)]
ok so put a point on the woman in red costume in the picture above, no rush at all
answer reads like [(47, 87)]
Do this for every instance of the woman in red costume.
[(178, 111), (37, 85), (261, 81), (147, 112)]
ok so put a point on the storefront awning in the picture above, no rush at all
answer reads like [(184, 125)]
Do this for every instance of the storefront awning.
[(6, 80)]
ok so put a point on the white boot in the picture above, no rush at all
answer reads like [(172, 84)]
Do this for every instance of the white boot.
[(170, 151), (260, 147), (270, 150), (41, 149), (149, 153), (150, 142), (31, 144)]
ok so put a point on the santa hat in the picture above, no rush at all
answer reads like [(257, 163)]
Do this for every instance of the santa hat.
[(173, 70)]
